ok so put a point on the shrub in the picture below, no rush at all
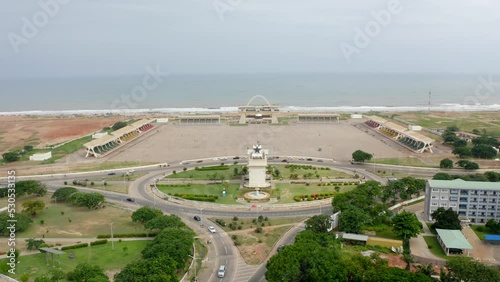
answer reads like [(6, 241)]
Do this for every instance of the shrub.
[(480, 229), (65, 182), (99, 242), (42, 222), (235, 218), (258, 230), (77, 246)]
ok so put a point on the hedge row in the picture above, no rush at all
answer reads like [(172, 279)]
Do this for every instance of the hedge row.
[(128, 235), (174, 185), (77, 246), (313, 197), (209, 168), (98, 242), (336, 183), (201, 198), (306, 167)]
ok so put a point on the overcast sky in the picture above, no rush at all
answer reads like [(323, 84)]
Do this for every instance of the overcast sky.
[(85, 37)]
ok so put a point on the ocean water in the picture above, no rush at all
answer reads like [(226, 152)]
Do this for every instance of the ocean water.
[(215, 93)]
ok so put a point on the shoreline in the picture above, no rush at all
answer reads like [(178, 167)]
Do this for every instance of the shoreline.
[(284, 109)]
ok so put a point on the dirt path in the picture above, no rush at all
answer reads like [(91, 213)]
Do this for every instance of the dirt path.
[(266, 228)]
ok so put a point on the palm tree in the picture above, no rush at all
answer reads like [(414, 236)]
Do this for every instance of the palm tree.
[(34, 244), (426, 269)]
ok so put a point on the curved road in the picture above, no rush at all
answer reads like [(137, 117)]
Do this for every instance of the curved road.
[(223, 250)]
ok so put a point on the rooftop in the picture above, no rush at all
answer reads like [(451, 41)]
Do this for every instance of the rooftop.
[(355, 237), (453, 239), (462, 184)]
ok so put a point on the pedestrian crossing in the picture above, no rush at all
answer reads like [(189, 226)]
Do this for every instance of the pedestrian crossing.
[(244, 271)]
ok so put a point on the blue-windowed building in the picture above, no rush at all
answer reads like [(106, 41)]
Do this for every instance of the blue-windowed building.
[(475, 202)]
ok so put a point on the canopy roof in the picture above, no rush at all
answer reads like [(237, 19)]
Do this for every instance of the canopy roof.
[(356, 237), (52, 251), (453, 239)]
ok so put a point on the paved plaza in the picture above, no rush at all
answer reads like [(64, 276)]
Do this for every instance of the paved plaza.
[(337, 141)]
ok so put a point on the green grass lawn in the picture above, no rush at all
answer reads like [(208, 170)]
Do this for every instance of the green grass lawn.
[(287, 191), (68, 148), (119, 177), (406, 161), (62, 220), (101, 255), (194, 174), (206, 189), (285, 172), (247, 223), (434, 247), (485, 230)]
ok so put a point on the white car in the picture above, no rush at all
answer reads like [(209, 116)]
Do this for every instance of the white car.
[(222, 271), (212, 229)]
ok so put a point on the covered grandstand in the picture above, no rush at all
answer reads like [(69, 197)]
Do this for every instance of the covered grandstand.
[(199, 119), (318, 118), (106, 143), (410, 139)]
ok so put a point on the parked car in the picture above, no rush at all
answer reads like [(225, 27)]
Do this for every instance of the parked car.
[(130, 200), (320, 161), (284, 161), (309, 159), (197, 218), (131, 171), (222, 271), (112, 173), (212, 229), (236, 158), (199, 161), (280, 248)]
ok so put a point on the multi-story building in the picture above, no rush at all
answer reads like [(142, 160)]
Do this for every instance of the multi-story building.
[(476, 201)]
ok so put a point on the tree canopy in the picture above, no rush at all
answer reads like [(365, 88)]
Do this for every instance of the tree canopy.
[(118, 125), (10, 157), (406, 225), (173, 242), (467, 270), (159, 269), (23, 222), (33, 207), (446, 219), (361, 156), (319, 223), (64, 193), (446, 163), (145, 214), (90, 200), (164, 221), (483, 151), (85, 272)]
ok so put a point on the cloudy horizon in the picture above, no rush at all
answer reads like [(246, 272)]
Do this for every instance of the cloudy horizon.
[(95, 37)]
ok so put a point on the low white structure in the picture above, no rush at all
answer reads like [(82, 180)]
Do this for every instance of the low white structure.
[(356, 116), (162, 120), (257, 164), (414, 127), (41, 156), (99, 135)]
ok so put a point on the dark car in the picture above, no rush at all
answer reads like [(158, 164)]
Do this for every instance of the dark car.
[(309, 159), (320, 161), (199, 161), (130, 200), (197, 218), (280, 248), (284, 161), (236, 158), (112, 173)]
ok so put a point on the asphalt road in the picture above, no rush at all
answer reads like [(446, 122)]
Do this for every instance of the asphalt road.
[(222, 249)]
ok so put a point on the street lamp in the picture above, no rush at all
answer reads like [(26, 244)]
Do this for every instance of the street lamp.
[(195, 267), (112, 241), (201, 217), (154, 192)]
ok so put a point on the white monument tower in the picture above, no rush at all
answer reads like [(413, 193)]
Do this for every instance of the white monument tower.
[(257, 163)]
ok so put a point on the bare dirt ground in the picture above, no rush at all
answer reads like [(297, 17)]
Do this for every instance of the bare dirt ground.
[(17, 131), (173, 143)]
